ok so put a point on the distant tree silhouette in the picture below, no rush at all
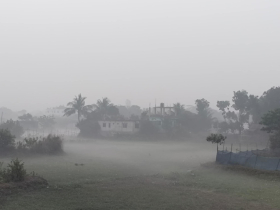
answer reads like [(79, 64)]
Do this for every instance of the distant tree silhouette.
[(179, 109), (240, 103), (78, 106), (106, 108), (14, 127), (203, 113), (271, 124), (26, 117)]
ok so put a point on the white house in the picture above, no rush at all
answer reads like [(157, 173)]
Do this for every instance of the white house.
[(112, 127)]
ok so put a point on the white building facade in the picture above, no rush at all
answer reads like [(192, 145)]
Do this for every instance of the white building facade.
[(111, 128)]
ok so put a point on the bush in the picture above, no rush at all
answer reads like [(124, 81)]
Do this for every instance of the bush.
[(89, 128), (7, 140), (51, 144), (14, 172), (275, 141), (148, 129), (14, 127)]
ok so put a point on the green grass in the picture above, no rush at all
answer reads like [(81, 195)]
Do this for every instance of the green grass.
[(123, 175)]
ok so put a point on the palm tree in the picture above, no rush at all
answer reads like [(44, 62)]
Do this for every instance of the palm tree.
[(179, 109), (103, 106), (78, 106)]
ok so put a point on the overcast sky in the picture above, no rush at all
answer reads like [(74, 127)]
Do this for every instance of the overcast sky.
[(142, 50)]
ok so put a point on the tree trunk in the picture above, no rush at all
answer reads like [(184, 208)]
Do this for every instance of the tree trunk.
[(79, 116)]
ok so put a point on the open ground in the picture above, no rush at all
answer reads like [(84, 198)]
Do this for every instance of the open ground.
[(137, 175)]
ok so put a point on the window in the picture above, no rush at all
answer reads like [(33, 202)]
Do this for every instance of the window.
[(109, 125), (104, 125), (124, 125), (137, 125)]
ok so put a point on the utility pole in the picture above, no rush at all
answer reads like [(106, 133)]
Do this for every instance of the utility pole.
[(2, 118)]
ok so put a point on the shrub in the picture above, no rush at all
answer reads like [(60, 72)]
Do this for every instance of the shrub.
[(51, 144), (7, 140), (14, 172), (14, 127), (148, 129), (275, 141), (89, 128)]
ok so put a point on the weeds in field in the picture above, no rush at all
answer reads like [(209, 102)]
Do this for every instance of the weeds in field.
[(14, 172)]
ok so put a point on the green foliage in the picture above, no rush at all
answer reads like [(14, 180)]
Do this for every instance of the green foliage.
[(51, 144), (78, 106), (7, 140), (254, 108), (106, 108), (204, 115), (202, 105), (89, 128), (14, 172), (244, 105), (223, 105), (216, 138), (240, 100), (168, 127), (189, 122), (26, 117), (14, 127), (179, 109), (271, 124), (270, 100), (148, 129), (224, 127), (271, 121), (275, 141)]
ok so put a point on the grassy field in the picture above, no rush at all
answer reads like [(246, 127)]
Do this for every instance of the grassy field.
[(133, 175)]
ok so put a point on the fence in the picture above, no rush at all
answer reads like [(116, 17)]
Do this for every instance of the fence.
[(248, 159)]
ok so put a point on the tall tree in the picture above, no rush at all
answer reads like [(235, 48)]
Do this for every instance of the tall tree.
[(224, 107), (270, 100), (179, 109), (204, 114), (254, 108), (106, 108), (240, 102), (78, 106), (271, 124), (202, 106)]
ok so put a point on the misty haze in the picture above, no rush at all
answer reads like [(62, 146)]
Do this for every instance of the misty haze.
[(127, 105)]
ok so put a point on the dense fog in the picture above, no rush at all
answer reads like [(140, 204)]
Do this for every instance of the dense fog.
[(151, 104)]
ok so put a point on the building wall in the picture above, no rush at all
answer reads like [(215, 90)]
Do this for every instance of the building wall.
[(114, 127)]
